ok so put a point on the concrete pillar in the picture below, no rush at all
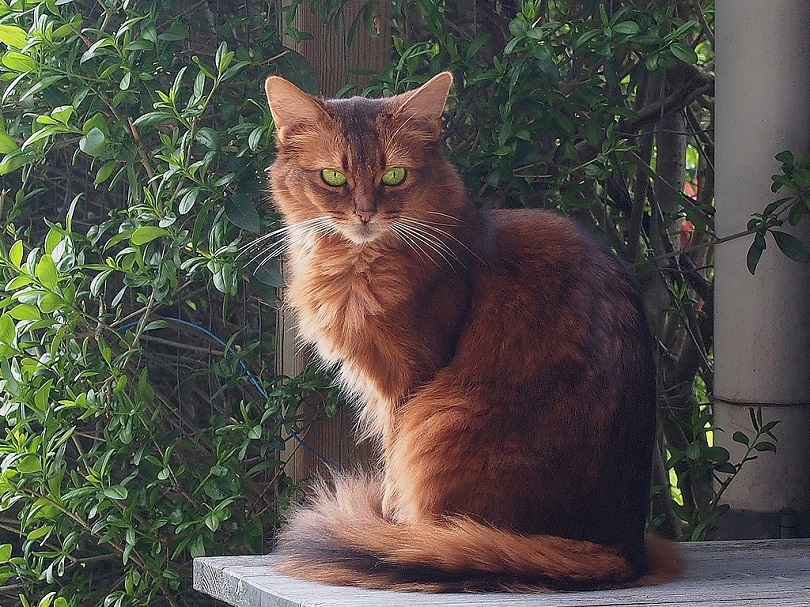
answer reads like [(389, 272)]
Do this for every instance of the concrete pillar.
[(762, 330)]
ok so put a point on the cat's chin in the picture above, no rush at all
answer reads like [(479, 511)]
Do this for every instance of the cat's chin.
[(363, 234)]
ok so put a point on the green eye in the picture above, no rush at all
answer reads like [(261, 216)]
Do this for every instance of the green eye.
[(333, 177), (394, 176)]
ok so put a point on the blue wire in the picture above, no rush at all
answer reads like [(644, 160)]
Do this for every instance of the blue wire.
[(251, 377)]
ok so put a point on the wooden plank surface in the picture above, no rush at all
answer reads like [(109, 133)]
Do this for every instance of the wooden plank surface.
[(756, 573)]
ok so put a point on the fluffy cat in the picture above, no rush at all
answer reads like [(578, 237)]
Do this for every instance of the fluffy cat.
[(500, 360)]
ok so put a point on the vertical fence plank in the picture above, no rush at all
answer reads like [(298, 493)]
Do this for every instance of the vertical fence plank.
[(334, 60)]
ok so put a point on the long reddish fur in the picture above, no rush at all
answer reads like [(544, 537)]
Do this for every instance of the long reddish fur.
[(506, 374), (343, 538)]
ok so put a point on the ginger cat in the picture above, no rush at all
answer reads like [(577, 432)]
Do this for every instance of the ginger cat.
[(500, 360)]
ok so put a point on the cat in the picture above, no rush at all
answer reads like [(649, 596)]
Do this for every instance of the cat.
[(500, 360)]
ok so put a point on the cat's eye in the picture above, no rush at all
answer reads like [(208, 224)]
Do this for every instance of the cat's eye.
[(333, 177), (394, 176)]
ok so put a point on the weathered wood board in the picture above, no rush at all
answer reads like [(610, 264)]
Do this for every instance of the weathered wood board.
[(755, 573)]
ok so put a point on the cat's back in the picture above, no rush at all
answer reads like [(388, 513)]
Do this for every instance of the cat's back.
[(548, 255), (546, 292)]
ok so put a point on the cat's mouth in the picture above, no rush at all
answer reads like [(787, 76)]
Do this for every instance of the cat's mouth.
[(363, 232)]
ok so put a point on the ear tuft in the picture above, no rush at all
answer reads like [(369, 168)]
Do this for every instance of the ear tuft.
[(290, 106), (428, 101)]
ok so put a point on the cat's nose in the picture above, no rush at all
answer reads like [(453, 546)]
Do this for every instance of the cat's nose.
[(364, 215), (364, 207)]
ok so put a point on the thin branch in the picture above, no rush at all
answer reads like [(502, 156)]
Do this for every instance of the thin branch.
[(703, 23), (695, 247), (698, 85)]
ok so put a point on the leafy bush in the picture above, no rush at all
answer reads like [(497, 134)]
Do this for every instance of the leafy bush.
[(141, 420)]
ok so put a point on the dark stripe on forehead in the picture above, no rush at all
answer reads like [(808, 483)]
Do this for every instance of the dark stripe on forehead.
[(357, 119)]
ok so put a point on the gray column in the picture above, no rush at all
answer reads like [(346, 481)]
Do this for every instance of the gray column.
[(762, 330)]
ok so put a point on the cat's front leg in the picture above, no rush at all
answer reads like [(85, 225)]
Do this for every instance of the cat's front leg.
[(397, 509)]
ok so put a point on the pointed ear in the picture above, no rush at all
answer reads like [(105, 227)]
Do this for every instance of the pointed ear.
[(426, 104), (290, 106)]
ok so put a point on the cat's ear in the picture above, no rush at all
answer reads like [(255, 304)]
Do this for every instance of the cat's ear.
[(291, 107), (426, 104)]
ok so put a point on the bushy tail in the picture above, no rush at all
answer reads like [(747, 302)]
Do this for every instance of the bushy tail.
[(342, 538)]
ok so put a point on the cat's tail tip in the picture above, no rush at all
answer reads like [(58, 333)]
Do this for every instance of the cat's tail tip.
[(666, 561)]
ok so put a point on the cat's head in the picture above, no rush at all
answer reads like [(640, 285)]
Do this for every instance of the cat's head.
[(366, 169)]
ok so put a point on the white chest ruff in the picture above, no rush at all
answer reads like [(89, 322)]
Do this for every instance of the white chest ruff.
[(332, 318)]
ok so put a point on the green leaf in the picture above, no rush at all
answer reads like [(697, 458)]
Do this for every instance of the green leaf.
[(682, 30), (208, 137), (5, 553), (197, 547), (93, 50), (585, 38), (50, 302), (7, 143), (295, 67), (18, 62), (40, 532), (371, 19), (28, 464), (93, 143), (518, 27), (717, 454), (17, 160), (146, 234), (104, 172), (241, 212), (740, 437), (24, 312), (13, 36), (8, 333), (15, 254), (694, 451), (786, 158), (46, 272), (256, 136), (791, 246), (188, 201), (685, 53), (766, 429), (153, 118), (627, 28), (212, 521), (753, 257), (268, 273), (62, 113), (725, 468), (116, 492), (40, 86)]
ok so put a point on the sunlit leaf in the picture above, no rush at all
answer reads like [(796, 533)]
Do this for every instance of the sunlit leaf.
[(146, 234), (93, 143), (13, 36), (46, 272)]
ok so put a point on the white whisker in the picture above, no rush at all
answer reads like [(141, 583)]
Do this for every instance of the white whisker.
[(288, 236), (434, 243), (455, 219), (398, 229), (443, 233), (261, 239)]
